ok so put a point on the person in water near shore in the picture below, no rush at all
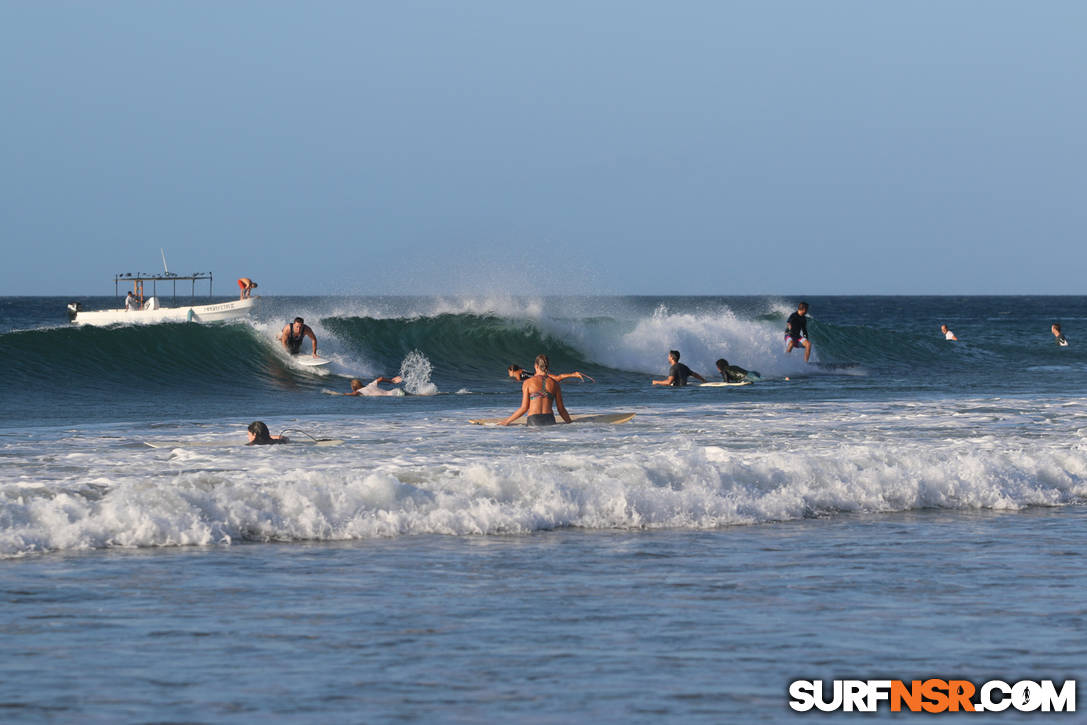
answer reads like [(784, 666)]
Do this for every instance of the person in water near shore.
[(677, 373), (1056, 330), (796, 331), (538, 393), (357, 388), (521, 375), (735, 373), (246, 287), (948, 334), (294, 333), (259, 435)]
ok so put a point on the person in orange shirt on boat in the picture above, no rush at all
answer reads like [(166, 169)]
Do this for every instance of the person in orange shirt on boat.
[(246, 286)]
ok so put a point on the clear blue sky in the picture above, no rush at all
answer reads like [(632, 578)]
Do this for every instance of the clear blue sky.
[(566, 147)]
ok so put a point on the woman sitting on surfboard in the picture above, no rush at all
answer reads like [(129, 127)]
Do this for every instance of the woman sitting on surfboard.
[(521, 375), (538, 393)]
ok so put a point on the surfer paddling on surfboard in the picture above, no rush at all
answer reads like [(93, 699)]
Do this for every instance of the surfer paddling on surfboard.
[(357, 388), (294, 333), (259, 435), (538, 393), (735, 373)]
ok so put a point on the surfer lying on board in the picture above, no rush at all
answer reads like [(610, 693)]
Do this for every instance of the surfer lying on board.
[(357, 388), (294, 333), (678, 372), (537, 395), (259, 435), (521, 375), (735, 373), (796, 331)]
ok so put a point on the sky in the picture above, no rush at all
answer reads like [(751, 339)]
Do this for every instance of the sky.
[(477, 147)]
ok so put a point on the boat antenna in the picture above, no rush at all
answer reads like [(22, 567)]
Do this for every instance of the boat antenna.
[(164, 268)]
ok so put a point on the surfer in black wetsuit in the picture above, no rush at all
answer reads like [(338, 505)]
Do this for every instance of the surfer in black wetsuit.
[(678, 372), (294, 333), (796, 331), (734, 373), (1056, 330)]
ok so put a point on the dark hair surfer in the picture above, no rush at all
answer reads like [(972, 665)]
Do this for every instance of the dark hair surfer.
[(677, 372), (260, 436)]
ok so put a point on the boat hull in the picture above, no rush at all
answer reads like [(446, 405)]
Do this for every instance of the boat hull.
[(190, 313)]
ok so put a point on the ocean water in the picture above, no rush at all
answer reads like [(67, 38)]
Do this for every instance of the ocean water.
[(903, 507)]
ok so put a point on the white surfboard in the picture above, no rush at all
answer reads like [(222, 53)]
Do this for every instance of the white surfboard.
[(611, 418), (724, 384), (236, 441), (309, 361)]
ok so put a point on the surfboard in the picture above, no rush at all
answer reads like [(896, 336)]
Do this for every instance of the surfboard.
[(611, 418), (309, 361), (240, 442), (724, 384)]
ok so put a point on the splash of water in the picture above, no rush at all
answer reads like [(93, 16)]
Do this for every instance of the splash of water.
[(416, 369)]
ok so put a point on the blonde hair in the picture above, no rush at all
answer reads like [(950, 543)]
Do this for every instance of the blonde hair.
[(543, 363), (356, 384)]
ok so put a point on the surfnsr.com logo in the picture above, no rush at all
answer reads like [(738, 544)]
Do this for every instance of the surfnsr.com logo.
[(932, 695)]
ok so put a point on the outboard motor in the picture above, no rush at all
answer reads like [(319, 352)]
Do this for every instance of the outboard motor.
[(74, 308)]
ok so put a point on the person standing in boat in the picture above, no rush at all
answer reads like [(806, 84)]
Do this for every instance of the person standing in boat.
[(293, 335), (246, 287), (132, 303)]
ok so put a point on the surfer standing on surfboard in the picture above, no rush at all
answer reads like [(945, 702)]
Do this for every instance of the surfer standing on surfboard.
[(538, 393), (796, 331), (294, 333)]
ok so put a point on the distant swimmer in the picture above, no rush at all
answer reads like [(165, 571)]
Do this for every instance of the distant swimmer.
[(357, 388), (735, 373), (294, 333), (521, 375), (538, 393), (246, 286), (796, 331), (1056, 330), (678, 372), (948, 334), (259, 435)]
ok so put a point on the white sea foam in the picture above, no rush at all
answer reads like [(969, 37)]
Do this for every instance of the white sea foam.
[(432, 474)]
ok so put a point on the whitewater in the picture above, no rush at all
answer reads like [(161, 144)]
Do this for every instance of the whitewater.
[(903, 506)]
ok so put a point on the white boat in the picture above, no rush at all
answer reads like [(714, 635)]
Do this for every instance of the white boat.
[(149, 311)]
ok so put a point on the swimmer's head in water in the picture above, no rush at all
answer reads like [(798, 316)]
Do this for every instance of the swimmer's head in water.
[(258, 432), (356, 384), (542, 362)]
